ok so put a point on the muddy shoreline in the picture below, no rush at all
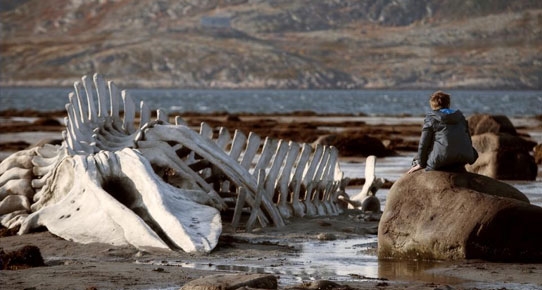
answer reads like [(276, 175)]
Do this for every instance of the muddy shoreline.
[(98, 266), (271, 250)]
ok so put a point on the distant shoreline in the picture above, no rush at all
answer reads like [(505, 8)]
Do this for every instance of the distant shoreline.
[(65, 84)]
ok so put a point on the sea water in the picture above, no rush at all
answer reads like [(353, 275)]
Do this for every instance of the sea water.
[(356, 102)]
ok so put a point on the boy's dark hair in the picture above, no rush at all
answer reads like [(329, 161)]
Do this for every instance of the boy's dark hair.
[(439, 100)]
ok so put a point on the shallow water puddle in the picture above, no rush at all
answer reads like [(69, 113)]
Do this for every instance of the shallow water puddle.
[(335, 260), (348, 260), (339, 260)]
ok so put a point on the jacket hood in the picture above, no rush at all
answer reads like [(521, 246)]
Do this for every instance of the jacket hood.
[(447, 116)]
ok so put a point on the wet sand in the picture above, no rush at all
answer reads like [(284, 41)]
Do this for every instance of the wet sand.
[(98, 266), (281, 251)]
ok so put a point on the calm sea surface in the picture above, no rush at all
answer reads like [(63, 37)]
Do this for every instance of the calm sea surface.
[(367, 102)]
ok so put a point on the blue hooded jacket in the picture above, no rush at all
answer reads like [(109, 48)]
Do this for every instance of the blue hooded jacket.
[(445, 140)]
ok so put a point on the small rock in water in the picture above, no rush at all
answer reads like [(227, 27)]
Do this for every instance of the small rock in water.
[(324, 223), (326, 237), (233, 281)]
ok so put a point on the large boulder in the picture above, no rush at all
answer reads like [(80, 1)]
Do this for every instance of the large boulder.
[(502, 153), (446, 216), (484, 123), (503, 156)]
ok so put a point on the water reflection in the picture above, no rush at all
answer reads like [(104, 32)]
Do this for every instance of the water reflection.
[(411, 270), (342, 261), (339, 260), (244, 269)]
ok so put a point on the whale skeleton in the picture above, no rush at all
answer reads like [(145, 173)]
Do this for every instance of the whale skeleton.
[(127, 180)]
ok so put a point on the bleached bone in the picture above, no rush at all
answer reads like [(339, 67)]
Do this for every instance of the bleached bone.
[(211, 152), (366, 199), (297, 181), (283, 189), (156, 184), (13, 203), (239, 204), (145, 210)]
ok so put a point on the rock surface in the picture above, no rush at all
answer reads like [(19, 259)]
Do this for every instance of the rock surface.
[(233, 281), (22, 258), (503, 156), (484, 123), (448, 216), (502, 153)]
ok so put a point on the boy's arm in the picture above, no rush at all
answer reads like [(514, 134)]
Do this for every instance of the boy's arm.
[(426, 141)]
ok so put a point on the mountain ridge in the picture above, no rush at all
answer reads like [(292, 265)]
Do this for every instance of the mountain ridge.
[(274, 44)]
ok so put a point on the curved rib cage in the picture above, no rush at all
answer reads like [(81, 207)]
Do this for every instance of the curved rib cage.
[(173, 179)]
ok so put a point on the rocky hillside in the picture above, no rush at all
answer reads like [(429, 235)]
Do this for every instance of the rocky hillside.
[(274, 43)]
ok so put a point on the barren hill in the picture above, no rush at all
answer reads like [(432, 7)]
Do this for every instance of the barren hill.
[(274, 43)]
